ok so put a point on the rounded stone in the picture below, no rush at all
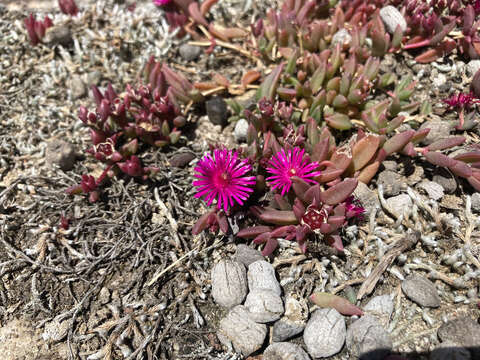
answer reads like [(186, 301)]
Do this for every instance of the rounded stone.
[(217, 111), (189, 52), (264, 305), (247, 255), (399, 203), (238, 331), (261, 275), (366, 335), (285, 351), (448, 350), (229, 283), (381, 307), (421, 290), (61, 154), (293, 321), (325, 333), (240, 131), (391, 17), (463, 331)]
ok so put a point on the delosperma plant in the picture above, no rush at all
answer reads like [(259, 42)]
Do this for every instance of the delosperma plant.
[(122, 125), (36, 29)]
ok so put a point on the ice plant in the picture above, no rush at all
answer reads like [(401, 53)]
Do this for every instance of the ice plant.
[(68, 7), (161, 2), (36, 29), (223, 177), (284, 165)]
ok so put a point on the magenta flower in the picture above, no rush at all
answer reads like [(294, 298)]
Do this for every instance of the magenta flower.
[(283, 166), (161, 2), (222, 177), (461, 100), (353, 208)]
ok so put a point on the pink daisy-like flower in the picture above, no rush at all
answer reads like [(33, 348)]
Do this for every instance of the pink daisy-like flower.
[(161, 2), (222, 177), (283, 166)]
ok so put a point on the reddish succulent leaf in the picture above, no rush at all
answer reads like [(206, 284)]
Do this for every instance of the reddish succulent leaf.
[(368, 173), (286, 93), (446, 143), (270, 246), (270, 83), (439, 159), (474, 182), (409, 149), (278, 217), (194, 11), (250, 77), (222, 222), (221, 80), (343, 306), (260, 239), (201, 224), (469, 157), (206, 5), (253, 231), (329, 175), (419, 135), (364, 150), (397, 142), (461, 169), (300, 187), (340, 159), (338, 193)]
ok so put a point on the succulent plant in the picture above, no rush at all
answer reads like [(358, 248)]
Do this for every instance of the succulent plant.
[(68, 7), (36, 29)]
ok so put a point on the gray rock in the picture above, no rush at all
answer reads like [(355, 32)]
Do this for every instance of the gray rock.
[(285, 351), (264, 305), (189, 52), (391, 17), (217, 111), (180, 160), (433, 189), (438, 130), (445, 180), (56, 331), (476, 202), (58, 35), (294, 320), (381, 307), (439, 80), (94, 78), (472, 67), (421, 290), (366, 335), (367, 197), (449, 351), (463, 331), (325, 333), (61, 154), (390, 165), (240, 131), (392, 182), (342, 36), (229, 283), (77, 87), (239, 331), (247, 255), (261, 275), (399, 203)]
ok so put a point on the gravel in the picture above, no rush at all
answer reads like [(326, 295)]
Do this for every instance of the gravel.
[(261, 275), (264, 305), (239, 331), (325, 333), (294, 320), (421, 290), (366, 335), (285, 351), (229, 283)]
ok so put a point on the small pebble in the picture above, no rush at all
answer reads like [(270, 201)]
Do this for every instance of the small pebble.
[(342, 36), (240, 131), (381, 307), (367, 197), (237, 329), (439, 129), (391, 17), (472, 67), (217, 111), (433, 189), (264, 305), (261, 275), (58, 35), (229, 283), (285, 351), (476, 202), (189, 52), (463, 331), (325, 333), (399, 203), (392, 182), (247, 255), (61, 154), (294, 320), (421, 290), (449, 351), (77, 87), (367, 336)]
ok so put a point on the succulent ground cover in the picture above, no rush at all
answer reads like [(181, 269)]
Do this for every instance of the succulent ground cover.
[(118, 194)]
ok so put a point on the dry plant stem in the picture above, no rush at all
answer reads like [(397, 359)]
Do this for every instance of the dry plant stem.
[(398, 248), (434, 215), (347, 283), (434, 274), (292, 260), (467, 238), (401, 219), (416, 335), (171, 220)]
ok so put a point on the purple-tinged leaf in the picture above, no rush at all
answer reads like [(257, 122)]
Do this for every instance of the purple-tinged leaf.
[(335, 241), (419, 135), (222, 221), (278, 217), (363, 151), (446, 143), (469, 157), (338, 193), (262, 238), (339, 121), (474, 182), (202, 223), (397, 142), (253, 231), (270, 83), (461, 169), (270, 246), (368, 173), (439, 159)]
